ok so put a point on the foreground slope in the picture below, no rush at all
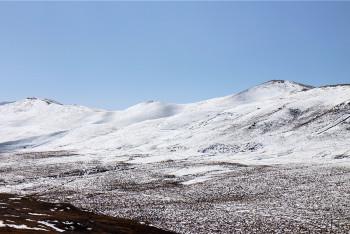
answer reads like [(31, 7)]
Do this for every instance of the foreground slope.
[(26, 215)]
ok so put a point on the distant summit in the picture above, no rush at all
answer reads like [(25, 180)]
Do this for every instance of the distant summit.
[(277, 82), (47, 101), (271, 89)]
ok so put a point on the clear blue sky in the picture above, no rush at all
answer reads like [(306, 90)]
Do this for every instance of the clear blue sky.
[(113, 55)]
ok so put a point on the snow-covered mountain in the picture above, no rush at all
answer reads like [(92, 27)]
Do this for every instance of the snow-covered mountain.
[(275, 122), (273, 158)]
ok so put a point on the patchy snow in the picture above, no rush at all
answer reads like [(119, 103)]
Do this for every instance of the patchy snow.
[(15, 198), (36, 214), (195, 170), (21, 226), (51, 226), (196, 180)]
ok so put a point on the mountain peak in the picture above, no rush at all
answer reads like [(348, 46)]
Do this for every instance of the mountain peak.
[(46, 100), (271, 89), (286, 83)]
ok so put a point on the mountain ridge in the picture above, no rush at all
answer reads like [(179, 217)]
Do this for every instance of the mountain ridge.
[(257, 125), (51, 101)]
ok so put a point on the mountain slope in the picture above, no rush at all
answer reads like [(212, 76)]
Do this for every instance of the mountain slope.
[(272, 158), (275, 122)]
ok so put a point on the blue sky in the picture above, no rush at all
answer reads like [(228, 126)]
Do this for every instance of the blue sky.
[(113, 55)]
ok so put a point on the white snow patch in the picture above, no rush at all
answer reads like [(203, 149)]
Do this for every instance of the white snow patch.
[(195, 170), (21, 226), (51, 226), (37, 214)]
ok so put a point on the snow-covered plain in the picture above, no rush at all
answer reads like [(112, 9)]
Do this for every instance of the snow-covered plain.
[(46, 146)]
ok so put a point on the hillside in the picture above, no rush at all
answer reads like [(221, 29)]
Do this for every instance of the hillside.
[(275, 122), (274, 158)]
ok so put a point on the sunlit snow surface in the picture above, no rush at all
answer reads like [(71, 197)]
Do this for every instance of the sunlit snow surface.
[(276, 122), (46, 146)]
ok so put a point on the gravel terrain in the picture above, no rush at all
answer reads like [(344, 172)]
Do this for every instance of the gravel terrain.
[(290, 198)]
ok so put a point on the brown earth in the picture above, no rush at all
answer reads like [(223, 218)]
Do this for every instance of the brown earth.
[(19, 214)]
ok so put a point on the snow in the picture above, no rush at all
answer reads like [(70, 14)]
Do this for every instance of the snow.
[(21, 226), (277, 122), (195, 170), (37, 214), (51, 226)]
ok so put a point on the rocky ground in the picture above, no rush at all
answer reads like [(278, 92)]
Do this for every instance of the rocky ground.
[(19, 214), (289, 198)]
